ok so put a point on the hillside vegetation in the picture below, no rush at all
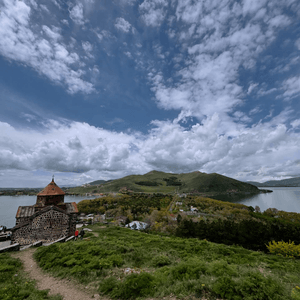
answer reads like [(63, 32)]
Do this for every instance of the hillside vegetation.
[(126, 264), (160, 182), (199, 217)]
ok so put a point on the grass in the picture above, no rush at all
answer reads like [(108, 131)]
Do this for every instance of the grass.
[(126, 264), (14, 284)]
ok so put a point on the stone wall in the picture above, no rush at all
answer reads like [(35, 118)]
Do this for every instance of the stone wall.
[(22, 220), (49, 200), (47, 227)]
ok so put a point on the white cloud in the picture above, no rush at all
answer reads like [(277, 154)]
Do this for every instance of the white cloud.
[(52, 34), (216, 145), (87, 47), (76, 14), (251, 87), (255, 110), (297, 44), (127, 2), (296, 123), (128, 54), (153, 12), (219, 46), (253, 6), (291, 87), (44, 53), (123, 25)]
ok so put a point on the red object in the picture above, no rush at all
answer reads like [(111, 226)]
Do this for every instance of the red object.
[(76, 233)]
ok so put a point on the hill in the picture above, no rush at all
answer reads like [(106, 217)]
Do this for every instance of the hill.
[(97, 182), (160, 182), (280, 183), (126, 264)]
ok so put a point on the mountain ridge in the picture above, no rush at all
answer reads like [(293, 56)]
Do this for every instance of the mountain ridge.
[(290, 182), (161, 182)]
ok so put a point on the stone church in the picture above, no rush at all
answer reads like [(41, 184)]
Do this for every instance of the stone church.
[(48, 220)]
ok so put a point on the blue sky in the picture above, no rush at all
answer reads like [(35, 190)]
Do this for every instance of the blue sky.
[(96, 89)]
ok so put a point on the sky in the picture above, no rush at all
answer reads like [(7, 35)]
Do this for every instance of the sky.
[(102, 89)]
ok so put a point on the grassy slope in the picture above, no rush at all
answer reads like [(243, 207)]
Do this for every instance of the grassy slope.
[(165, 266), (195, 181)]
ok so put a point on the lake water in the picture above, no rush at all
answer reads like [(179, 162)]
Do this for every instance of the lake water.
[(282, 198), (9, 206)]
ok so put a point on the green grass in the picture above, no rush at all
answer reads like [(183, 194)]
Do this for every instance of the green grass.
[(161, 266), (14, 284)]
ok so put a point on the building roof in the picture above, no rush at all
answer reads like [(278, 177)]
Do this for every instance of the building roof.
[(71, 207), (51, 189), (28, 211), (25, 211)]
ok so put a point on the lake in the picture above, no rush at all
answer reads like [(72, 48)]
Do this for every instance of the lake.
[(9, 206), (282, 198)]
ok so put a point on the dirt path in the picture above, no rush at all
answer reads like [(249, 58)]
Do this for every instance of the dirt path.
[(63, 287)]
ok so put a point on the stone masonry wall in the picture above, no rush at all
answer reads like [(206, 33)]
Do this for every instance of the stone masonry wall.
[(47, 227)]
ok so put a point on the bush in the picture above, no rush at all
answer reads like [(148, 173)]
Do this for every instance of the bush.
[(137, 285), (296, 293), (133, 286), (108, 285), (188, 270), (160, 261), (284, 249)]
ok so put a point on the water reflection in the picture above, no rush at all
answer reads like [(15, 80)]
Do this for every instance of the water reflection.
[(282, 198)]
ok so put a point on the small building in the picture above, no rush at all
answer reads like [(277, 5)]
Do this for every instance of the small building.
[(137, 225), (48, 220), (194, 209)]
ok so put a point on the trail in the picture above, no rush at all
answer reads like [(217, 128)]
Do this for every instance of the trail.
[(68, 290)]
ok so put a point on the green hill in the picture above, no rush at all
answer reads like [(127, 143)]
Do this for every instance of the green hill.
[(160, 182)]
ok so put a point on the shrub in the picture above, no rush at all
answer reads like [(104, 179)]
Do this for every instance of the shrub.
[(284, 249), (188, 270), (137, 285), (134, 286), (108, 285), (226, 288), (253, 286), (160, 261), (296, 293)]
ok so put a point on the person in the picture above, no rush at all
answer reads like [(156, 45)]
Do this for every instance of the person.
[(81, 233), (76, 234)]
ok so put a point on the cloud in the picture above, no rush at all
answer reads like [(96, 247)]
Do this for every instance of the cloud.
[(127, 2), (251, 87), (215, 145), (87, 46), (44, 50), (52, 34), (123, 25), (153, 12), (291, 87), (296, 123), (217, 46), (76, 14)]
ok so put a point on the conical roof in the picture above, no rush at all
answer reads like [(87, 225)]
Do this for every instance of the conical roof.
[(51, 189)]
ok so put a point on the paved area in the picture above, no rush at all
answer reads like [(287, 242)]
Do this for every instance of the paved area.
[(4, 244)]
